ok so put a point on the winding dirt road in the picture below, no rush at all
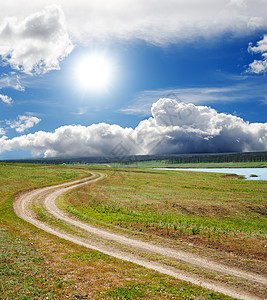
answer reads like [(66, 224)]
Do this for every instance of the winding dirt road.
[(47, 198)]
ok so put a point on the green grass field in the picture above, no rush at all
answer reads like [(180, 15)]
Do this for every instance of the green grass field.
[(167, 164), (223, 213), (36, 265)]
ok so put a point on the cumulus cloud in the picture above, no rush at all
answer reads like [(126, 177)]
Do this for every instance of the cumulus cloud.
[(248, 90), (6, 99), (37, 43), (23, 123), (74, 140), (155, 21), (259, 66), (175, 127)]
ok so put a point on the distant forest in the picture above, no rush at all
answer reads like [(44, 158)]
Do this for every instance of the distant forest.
[(171, 159), (219, 158)]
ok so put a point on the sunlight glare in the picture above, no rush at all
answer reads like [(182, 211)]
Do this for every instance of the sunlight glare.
[(94, 72)]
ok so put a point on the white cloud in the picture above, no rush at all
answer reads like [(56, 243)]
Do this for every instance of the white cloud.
[(6, 99), (246, 91), (11, 81), (173, 128), (259, 66), (37, 43), (155, 21), (141, 104), (2, 131), (261, 46), (23, 123)]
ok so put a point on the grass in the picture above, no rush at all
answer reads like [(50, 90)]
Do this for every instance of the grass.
[(167, 164), (37, 265), (15, 178), (24, 275), (206, 209), (22, 270), (159, 291)]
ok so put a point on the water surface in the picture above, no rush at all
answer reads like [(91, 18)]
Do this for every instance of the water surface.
[(249, 173)]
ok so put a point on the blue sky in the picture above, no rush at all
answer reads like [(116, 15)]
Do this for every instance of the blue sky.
[(209, 61)]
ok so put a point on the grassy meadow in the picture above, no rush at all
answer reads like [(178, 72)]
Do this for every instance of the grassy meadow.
[(37, 265), (206, 209), (168, 164)]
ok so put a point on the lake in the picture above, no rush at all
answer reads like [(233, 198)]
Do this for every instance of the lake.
[(247, 172)]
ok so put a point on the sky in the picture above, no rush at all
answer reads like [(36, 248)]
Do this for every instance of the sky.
[(132, 77)]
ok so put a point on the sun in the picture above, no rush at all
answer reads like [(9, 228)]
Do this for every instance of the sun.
[(94, 72)]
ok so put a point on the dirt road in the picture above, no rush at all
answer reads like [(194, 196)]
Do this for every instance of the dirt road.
[(47, 197)]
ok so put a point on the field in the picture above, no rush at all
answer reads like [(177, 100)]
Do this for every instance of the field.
[(201, 213), (168, 164), (205, 209), (31, 260)]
